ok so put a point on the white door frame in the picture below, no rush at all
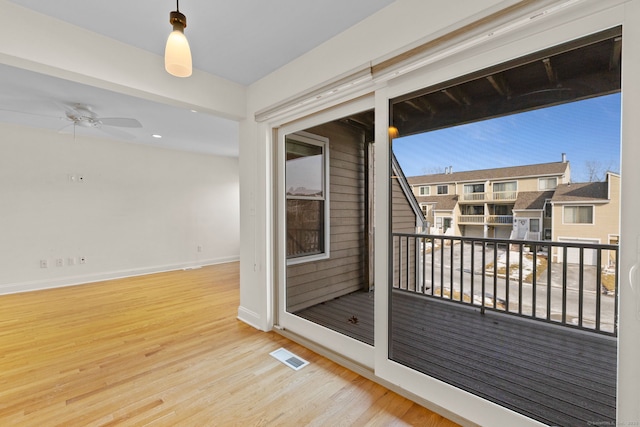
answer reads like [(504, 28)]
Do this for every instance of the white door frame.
[(346, 346)]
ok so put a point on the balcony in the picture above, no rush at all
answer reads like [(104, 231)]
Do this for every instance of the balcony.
[(474, 197), (499, 319), (500, 220), (475, 313), (491, 197), (482, 219), (471, 219)]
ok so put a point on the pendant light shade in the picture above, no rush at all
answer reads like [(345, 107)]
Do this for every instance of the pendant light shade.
[(177, 54)]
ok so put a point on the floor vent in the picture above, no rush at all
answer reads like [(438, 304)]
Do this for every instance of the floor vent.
[(291, 360)]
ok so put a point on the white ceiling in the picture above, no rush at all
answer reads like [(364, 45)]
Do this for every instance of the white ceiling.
[(241, 41)]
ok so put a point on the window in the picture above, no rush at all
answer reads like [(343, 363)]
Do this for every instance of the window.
[(505, 190), (578, 214), (305, 178), (426, 209), (547, 208), (502, 210), (424, 190), (547, 234), (547, 183), (534, 225), (443, 189), (474, 188), (472, 210)]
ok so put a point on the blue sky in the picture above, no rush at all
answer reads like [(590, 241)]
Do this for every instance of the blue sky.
[(587, 131)]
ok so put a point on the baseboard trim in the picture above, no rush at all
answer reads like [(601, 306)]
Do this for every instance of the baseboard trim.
[(14, 288), (250, 317)]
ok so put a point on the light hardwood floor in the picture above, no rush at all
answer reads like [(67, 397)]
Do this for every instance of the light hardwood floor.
[(167, 350)]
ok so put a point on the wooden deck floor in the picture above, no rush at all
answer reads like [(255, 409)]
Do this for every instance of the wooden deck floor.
[(556, 375), (351, 315)]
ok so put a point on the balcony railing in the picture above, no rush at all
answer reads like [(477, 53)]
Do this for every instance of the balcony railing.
[(500, 219), (489, 219), (471, 219), (506, 196), (474, 197), (515, 277), (496, 196)]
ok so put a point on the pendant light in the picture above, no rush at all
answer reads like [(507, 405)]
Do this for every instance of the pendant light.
[(177, 54)]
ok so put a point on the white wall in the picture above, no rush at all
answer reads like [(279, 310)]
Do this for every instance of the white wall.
[(139, 209)]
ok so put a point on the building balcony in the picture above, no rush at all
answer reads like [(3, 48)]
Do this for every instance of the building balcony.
[(500, 220), (474, 197), (490, 197), (471, 219), (485, 219)]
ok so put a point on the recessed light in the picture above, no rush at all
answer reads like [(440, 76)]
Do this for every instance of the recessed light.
[(156, 136)]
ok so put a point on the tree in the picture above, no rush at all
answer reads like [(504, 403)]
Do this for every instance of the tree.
[(596, 170)]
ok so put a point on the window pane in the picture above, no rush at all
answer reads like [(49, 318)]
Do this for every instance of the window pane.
[(534, 225), (304, 170), (578, 214), (548, 183), (305, 227), (505, 186), (474, 188)]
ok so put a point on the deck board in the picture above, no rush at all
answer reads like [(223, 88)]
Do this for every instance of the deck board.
[(554, 374), (338, 315)]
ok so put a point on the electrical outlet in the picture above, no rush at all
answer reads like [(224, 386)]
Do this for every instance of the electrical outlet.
[(59, 262), (83, 260), (44, 263), (199, 248)]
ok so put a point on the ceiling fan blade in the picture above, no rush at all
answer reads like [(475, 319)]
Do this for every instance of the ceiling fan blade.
[(117, 133), (9, 110), (120, 122)]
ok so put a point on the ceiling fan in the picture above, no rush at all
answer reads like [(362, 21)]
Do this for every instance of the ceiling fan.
[(83, 115), (80, 115)]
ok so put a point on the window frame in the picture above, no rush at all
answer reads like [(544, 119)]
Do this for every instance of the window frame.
[(445, 187), (422, 192), (473, 188), (537, 227), (593, 215), (548, 208), (427, 209), (320, 141), (540, 180)]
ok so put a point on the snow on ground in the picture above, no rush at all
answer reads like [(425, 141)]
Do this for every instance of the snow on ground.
[(514, 264)]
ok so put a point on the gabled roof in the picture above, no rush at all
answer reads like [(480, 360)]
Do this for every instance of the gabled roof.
[(443, 202), (406, 189), (532, 200), (512, 172), (581, 192)]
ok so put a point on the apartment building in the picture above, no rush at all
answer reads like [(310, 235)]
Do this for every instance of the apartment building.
[(532, 202)]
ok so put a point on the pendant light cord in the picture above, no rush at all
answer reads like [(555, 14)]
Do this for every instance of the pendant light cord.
[(178, 5)]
